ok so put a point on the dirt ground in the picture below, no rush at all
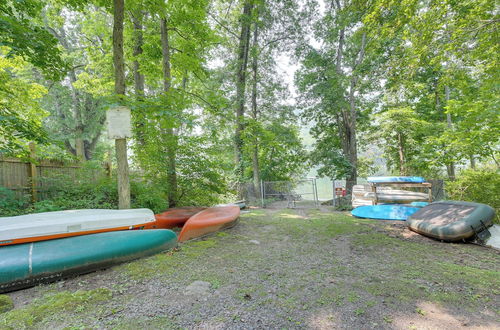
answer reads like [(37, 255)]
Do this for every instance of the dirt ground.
[(275, 269)]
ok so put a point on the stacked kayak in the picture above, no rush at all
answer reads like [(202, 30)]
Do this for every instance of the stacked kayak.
[(176, 217), (59, 224), (397, 196), (385, 212), (452, 220), (25, 265), (395, 179), (209, 221)]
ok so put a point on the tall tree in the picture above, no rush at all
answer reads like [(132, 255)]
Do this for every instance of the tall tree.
[(76, 117), (241, 81), (333, 86), (119, 66), (169, 131)]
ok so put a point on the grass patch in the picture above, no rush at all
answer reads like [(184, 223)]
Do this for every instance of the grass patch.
[(50, 306), (159, 322), (168, 263), (6, 304), (420, 271)]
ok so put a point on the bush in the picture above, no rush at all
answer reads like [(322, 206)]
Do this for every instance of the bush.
[(67, 193), (147, 196), (480, 186), (10, 204)]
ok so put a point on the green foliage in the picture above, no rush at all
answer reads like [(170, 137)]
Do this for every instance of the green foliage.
[(20, 113), (91, 193), (404, 134), (89, 189), (10, 204), (480, 185), (22, 33), (281, 154), (444, 65)]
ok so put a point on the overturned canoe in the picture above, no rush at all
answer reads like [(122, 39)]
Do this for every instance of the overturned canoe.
[(176, 217), (209, 221), (51, 225), (26, 265), (451, 220)]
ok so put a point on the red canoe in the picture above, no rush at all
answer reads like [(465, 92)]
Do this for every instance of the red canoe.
[(209, 221), (176, 217)]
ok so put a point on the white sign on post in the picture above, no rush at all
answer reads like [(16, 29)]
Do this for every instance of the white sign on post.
[(119, 123)]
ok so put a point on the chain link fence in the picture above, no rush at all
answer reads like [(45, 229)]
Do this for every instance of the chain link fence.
[(312, 192)]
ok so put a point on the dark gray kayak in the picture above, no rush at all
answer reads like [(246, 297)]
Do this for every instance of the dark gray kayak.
[(452, 220)]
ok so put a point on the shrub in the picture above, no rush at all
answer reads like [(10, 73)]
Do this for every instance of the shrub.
[(10, 204), (147, 196), (481, 186)]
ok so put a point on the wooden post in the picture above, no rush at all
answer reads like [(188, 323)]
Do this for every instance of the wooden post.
[(122, 174), (33, 173)]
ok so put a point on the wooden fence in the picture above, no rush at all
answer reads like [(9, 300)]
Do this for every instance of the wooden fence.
[(39, 179)]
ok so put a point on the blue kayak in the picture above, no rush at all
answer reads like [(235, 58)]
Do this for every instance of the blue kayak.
[(419, 204), (396, 179), (385, 212)]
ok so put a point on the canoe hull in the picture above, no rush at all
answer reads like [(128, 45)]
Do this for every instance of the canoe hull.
[(451, 221), (26, 265), (208, 221), (176, 217)]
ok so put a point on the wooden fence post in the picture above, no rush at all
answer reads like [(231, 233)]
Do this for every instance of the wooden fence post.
[(33, 173)]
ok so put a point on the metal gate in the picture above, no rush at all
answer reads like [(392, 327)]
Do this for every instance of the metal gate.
[(293, 194)]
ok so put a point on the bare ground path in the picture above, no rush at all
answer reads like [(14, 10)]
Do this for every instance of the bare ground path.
[(314, 269)]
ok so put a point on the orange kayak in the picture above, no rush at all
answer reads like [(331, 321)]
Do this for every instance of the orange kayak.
[(209, 221), (176, 217)]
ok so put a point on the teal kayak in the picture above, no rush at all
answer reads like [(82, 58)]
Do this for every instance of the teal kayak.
[(26, 265)]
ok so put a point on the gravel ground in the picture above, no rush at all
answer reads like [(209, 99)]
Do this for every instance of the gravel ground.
[(315, 269)]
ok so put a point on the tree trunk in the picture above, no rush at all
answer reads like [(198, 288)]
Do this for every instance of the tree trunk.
[(351, 121), (119, 69), (472, 162), (243, 47), (401, 151), (450, 166), (255, 115), (79, 146), (137, 20), (171, 144)]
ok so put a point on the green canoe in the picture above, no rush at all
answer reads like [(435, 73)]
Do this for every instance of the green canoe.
[(26, 265)]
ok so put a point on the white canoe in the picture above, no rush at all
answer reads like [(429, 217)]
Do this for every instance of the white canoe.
[(50, 225)]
